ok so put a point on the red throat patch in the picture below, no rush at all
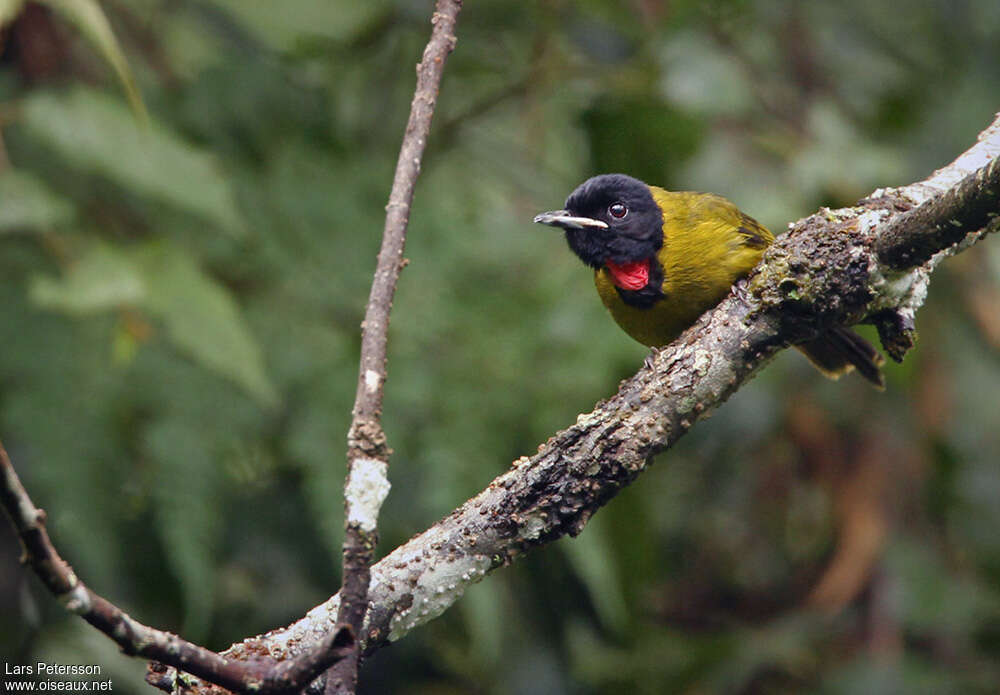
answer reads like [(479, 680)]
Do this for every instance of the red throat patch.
[(629, 276)]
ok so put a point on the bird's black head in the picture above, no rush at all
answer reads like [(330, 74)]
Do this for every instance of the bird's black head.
[(610, 217)]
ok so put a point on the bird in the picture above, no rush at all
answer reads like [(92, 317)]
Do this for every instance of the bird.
[(662, 258)]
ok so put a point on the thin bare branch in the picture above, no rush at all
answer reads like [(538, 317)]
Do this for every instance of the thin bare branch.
[(262, 676), (367, 452)]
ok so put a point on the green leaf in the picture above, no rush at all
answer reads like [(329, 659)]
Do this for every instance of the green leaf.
[(9, 9), (96, 133), (302, 19), (27, 204), (202, 319), (186, 487), (104, 278), (90, 20)]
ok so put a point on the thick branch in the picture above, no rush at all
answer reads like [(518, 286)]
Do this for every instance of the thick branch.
[(912, 238), (262, 676), (823, 271), (367, 481)]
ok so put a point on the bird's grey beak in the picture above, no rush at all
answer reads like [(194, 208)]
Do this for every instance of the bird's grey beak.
[(562, 218)]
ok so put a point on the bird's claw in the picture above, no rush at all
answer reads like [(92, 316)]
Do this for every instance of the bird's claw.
[(648, 362), (741, 291)]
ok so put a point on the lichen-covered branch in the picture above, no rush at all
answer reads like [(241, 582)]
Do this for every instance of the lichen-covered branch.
[(264, 675), (825, 270), (912, 238), (367, 481)]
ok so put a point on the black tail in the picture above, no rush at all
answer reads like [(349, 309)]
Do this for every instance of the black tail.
[(840, 350)]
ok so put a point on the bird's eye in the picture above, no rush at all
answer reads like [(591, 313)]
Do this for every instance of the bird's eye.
[(617, 210)]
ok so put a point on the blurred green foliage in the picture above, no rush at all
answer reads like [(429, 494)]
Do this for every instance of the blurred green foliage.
[(180, 302)]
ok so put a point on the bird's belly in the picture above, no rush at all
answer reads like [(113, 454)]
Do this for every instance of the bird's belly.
[(655, 326)]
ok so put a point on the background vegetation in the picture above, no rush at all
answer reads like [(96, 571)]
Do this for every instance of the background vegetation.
[(179, 317)]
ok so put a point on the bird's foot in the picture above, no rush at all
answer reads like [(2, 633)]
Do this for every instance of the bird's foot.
[(741, 291), (653, 352)]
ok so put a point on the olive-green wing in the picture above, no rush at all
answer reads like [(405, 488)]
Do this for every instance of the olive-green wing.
[(710, 206)]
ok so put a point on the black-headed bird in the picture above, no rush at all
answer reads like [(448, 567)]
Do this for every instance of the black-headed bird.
[(663, 258)]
